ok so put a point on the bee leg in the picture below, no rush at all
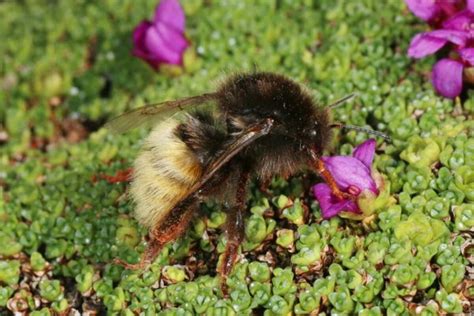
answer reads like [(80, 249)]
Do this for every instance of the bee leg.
[(235, 233), (327, 176), (152, 250), (263, 187), (170, 228)]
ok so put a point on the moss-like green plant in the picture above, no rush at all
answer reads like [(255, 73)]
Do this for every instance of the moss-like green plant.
[(421, 152), (5, 293), (259, 271), (115, 301), (294, 213), (84, 279), (464, 216), (464, 181), (43, 312), (9, 272), (449, 302), (51, 290), (452, 275), (286, 238), (9, 245), (174, 273)]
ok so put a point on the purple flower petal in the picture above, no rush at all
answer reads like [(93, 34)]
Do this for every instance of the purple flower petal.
[(170, 13), (453, 36), (467, 55), (163, 40), (165, 44), (424, 44), (139, 47), (365, 152), (330, 205), (350, 171), (470, 5), (424, 9), (447, 77), (460, 21), (450, 7), (176, 40), (139, 32)]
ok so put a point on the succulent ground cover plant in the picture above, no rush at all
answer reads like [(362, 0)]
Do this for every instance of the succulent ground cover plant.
[(64, 211)]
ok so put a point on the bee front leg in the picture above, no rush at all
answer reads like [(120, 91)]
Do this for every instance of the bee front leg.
[(235, 233), (329, 179)]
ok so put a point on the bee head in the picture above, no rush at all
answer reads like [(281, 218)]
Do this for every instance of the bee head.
[(317, 134)]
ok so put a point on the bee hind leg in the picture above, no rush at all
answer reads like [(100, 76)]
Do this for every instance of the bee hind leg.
[(235, 233), (170, 228)]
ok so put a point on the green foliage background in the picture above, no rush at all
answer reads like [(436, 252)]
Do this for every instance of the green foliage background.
[(67, 68)]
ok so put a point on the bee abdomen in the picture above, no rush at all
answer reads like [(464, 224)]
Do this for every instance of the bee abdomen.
[(164, 172)]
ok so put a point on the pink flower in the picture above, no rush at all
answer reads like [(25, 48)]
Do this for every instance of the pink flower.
[(431, 10), (424, 44), (454, 20), (162, 40), (353, 175)]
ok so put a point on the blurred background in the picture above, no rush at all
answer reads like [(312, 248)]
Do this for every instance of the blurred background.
[(64, 60)]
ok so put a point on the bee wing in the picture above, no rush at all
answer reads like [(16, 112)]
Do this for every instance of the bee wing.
[(151, 113), (240, 141)]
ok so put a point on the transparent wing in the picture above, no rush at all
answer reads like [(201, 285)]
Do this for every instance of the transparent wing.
[(151, 113)]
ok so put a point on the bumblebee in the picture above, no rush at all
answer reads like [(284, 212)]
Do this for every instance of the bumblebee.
[(265, 125)]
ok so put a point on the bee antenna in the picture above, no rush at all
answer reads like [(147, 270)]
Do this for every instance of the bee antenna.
[(341, 101), (362, 129)]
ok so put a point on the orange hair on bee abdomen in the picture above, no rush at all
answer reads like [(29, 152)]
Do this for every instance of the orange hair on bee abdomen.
[(164, 172)]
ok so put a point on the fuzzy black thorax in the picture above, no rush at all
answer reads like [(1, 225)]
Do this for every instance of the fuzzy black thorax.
[(246, 99)]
